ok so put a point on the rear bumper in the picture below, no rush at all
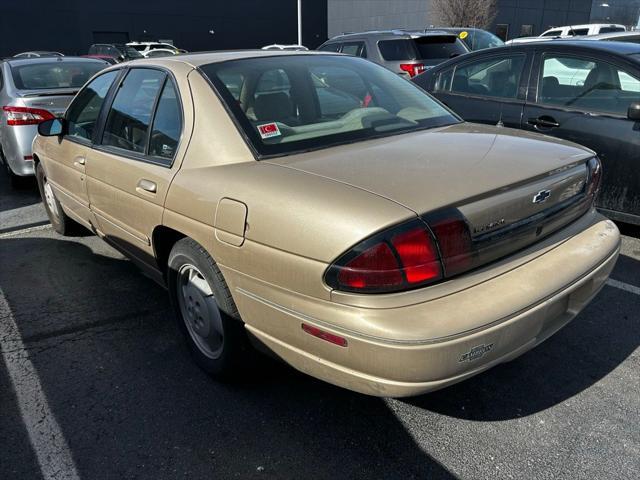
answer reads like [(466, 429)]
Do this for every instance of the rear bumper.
[(573, 274), (17, 144)]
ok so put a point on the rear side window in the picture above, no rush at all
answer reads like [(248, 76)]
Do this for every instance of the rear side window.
[(357, 49), (611, 29), (494, 77), (54, 74), (130, 114), (167, 124)]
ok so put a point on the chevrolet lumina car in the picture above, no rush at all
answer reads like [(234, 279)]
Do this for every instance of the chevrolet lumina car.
[(323, 209)]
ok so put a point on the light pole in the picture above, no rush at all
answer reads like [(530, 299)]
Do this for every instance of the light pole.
[(299, 22)]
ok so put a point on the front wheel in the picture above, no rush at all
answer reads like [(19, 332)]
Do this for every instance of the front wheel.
[(206, 313), (60, 222)]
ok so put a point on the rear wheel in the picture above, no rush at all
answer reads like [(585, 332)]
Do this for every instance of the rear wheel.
[(206, 313), (60, 222)]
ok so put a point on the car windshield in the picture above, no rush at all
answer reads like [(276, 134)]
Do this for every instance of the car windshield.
[(287, 104), (480, 39), (54, 74)]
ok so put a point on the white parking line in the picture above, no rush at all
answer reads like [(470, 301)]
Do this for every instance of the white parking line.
[(22, 231), (623, 286), (49, 445)]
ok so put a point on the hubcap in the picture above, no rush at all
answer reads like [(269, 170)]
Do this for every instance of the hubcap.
[(200, 311), (50, 199)]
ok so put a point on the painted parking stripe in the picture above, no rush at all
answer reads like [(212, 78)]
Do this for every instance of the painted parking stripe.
[(51, 448), (22, 231), (627, 287)]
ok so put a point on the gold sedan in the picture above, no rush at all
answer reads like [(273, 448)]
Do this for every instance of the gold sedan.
[(325, 210)]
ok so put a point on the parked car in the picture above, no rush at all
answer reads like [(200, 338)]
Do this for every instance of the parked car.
[(406, 53), (38, 54), (33, 90), (572, 31), (584, 91), (145, 47), (160, 52), (583, 30), (119, 52), (369, 238), (474, 38), (277, 46)]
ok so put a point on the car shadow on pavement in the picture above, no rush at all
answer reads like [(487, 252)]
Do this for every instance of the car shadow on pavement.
[(131, 403), (16, 197), (598, 340)]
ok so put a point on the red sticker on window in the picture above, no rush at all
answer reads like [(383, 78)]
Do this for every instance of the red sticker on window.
[(269, 130)]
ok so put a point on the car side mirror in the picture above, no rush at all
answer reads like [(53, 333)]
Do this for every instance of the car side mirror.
[(633, 113), (52, 128)]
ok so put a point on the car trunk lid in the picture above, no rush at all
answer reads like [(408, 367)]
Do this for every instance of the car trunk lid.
[(54, 101)]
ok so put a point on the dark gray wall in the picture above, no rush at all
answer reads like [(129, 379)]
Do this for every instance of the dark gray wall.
[(71, 26), (542, 14), (362, 15)]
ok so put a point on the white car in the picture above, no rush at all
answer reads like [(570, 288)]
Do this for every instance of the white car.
[(583, 30), (160, 52), (277, 46), (145, 47)]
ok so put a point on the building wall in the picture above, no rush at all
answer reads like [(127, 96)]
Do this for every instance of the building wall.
[(71, 26), (362, 15), (541, 14)]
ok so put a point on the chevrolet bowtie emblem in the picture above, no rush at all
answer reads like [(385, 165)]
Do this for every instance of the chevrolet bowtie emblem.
[(541, 196)]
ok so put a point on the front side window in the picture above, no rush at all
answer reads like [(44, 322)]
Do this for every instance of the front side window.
[(54, 74), (130, 114), (494, 77), (325, 100), (587, 84), (83, 112)]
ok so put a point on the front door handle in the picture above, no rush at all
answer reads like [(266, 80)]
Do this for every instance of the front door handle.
[(543, 122), (147, 186), (79, 161)]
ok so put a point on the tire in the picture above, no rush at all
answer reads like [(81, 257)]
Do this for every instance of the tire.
[(206, 312), (60, 222)]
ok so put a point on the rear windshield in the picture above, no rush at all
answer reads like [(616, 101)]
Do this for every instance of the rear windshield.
[(54, 74), (288, 104), (424, 48)]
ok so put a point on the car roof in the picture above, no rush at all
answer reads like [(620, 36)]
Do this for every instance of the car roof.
[(616, 48), (392, 34), (203, 58), (34, 60), (586, 25)]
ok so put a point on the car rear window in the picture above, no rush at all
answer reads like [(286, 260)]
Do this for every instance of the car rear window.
[(611, 29), (54, 74), (423, 48), (288, 104)]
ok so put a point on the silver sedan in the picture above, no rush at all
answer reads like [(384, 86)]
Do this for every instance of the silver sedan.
[(33, 90)]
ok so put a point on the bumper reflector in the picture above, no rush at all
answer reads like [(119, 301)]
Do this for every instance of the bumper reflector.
[(326, 336)]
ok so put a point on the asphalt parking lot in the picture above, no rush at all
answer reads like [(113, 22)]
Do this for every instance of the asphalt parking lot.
[(95, 383)]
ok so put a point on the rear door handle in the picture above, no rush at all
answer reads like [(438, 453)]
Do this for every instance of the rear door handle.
[(147, 186), (543, 122)]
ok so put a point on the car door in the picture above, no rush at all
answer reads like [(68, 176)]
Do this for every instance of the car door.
[(487, 89), (67, 159), (584, 99), (133, 162)]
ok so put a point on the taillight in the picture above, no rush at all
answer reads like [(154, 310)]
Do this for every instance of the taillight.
[(400, 258), (454, 240), (412, 69), (595, 176), (26, 116)]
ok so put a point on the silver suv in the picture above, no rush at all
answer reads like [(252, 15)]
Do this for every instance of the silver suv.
[(407, 53)]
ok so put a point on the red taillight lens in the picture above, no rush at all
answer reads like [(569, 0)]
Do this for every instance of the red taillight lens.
[(454, 240), (375, 268), (595, 176), (418, 254), (398, 259), (412, 69), (26, 116)]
